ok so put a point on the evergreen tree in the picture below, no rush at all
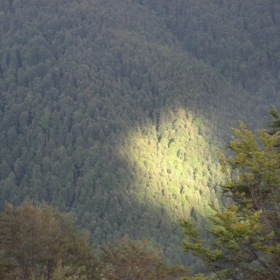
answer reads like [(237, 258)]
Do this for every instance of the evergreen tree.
[(275, 123), (246, 235)]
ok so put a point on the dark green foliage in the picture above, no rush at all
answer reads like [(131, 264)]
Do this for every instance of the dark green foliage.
[(238, 38), (113, 109), (274, 124)]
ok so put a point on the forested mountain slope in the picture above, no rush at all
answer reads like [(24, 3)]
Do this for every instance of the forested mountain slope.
[(239, 38), (113, 110)]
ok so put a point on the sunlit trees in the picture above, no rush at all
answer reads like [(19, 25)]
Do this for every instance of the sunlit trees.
[(34, 240), (246, 235)]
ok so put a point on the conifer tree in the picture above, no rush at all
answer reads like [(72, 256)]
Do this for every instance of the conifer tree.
[(246, 235)]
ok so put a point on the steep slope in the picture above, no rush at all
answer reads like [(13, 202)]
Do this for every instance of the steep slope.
[(106, 114), (238, 38)]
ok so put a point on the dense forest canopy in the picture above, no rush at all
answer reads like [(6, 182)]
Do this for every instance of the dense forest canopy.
[(113, 110), (244, 241)]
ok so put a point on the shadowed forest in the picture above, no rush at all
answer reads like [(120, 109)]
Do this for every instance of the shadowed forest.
[(114, 110)]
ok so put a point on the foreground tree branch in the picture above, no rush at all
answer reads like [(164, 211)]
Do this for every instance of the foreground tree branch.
[(245, 240)]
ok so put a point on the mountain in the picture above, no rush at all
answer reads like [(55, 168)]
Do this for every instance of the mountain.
[(114, 110)]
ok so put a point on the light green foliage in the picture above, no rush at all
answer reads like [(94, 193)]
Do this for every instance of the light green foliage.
[(254, 171), (245, 236), (198, 277)]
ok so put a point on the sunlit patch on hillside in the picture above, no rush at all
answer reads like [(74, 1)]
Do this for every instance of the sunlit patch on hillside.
[(174, 168)]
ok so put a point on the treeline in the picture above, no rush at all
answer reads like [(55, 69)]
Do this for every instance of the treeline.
[(107, 112), (39, 242)]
